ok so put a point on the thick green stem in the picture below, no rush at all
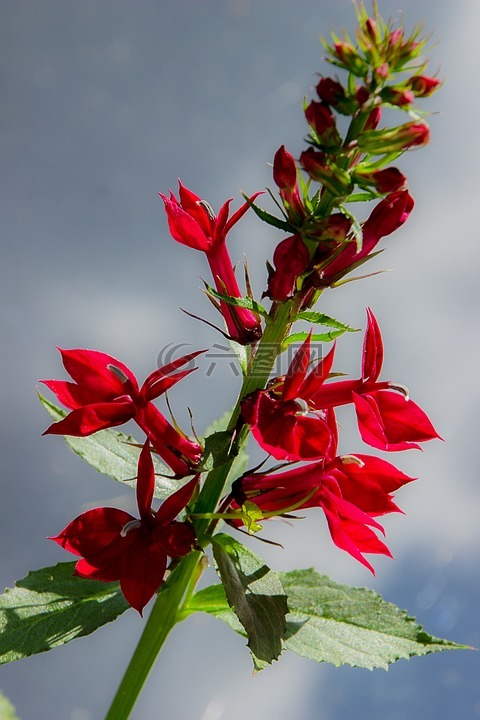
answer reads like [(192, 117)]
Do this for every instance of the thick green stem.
[(165, 614)]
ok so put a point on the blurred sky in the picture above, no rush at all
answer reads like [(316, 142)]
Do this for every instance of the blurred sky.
[(103, 105)]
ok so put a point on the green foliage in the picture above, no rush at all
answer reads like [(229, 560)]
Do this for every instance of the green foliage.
[(318, 318), (50, 607), (335, 623), (7, 711), (256, 595), (114, 454), (243, 302)]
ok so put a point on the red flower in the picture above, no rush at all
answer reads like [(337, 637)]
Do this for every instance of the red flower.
[(114, 545), (289, 419), (351, 490), (106, 394), (192, 222)]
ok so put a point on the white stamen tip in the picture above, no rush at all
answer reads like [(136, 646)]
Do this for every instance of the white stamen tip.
[(207, 207), (118, 373), (302, 405), (352, 460), (129, 526), (400, 388)]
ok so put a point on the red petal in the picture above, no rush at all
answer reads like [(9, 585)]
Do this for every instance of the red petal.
[(89, 369), (143, 571), (297, 371), (160, 386), (177, 502), (192, 204), (145, 482), (315, 379), (160, 373), (69, 394), (238, 214), (95, 533), (389, 421), (177, 539), (89, 419), (372, 359), (184, 229)]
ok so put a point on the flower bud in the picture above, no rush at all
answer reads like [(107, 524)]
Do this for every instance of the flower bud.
[(388, 180), (423, 86), (397, 96), (291, 259), (362, 95), (315, 163), (373, 119), (284, 169), (348, 56), (397, 139), (321, 120)]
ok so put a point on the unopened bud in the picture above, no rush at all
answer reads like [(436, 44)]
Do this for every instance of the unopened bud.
[(338, 181), (396, 139), (388, 180), (284, 169), (423, 86), (321, 120), (397, 96)]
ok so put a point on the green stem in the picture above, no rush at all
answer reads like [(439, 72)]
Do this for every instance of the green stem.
[(165, 614), (257, 377)]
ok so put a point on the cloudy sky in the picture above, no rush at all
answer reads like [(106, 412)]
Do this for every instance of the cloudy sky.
[(103, 105)]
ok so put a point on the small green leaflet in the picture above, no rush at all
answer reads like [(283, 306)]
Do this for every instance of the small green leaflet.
[(321, 319), (243, 302), (256, 595), (356, 227), (7, 711), (268, 218), (300, 337), (114, 454), (50, 607), (335, 623)]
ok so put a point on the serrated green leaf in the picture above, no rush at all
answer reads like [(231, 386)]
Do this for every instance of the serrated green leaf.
[(7, 711), (318, 318), (256, 595), (335, 623), (114, 454), (50, 607), (216, 452), (244, 302), (355, 227), (239, 465)]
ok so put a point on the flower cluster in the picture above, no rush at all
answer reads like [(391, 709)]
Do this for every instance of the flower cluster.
[(292, 417)]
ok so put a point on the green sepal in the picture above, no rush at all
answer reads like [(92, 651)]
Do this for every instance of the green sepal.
[(50, 607), (255, 594), (334, 623), (114, 454)]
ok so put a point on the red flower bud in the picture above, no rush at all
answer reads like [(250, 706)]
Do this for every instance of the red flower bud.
[(330, 91), (362, 95), (423, 86), (397, 96), (384, 181), (291, 258), (373, 119), (284, 169), (395, 139), (321, 120)]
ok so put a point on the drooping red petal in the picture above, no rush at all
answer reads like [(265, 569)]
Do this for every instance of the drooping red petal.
[(372, 358), (87, 420), (143, 571), (91, 418), (389, 421), (89, 369)]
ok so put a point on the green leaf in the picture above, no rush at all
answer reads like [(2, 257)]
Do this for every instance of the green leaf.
[(356, 227), (50, 607), (216, 452), (256, 595), (268, 218), (243, 302), (335, 623), (300, 337), (219, 426), (321, 319), (7, 711), (114, 454)]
